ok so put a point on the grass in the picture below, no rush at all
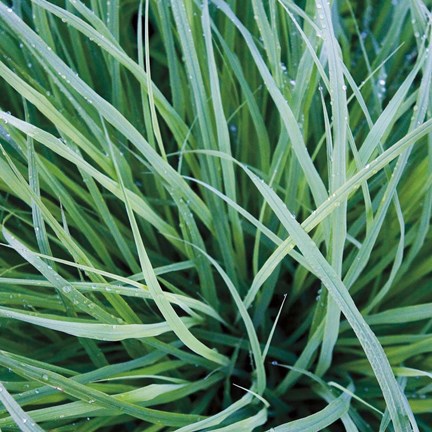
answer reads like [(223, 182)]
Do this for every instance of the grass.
[(215, 215)]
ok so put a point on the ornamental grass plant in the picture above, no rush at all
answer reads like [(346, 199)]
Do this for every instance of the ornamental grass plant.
[(215, 215)]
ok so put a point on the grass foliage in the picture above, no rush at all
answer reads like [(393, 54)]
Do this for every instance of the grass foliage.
[(215, 215)]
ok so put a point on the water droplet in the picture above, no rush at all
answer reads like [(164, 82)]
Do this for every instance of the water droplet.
[(66, 289), (45, 377)]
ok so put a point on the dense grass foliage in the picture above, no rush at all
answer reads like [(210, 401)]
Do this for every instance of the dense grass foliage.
[(215, 215)]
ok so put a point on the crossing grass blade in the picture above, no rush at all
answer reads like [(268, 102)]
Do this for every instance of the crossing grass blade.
[(22, 420), (215, 215)]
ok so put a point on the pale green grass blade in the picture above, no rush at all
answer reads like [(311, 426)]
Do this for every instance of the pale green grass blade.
[(402, 315), (168, 312), (398, 406), (139, 290), (338, 166), (351, 394), (315, 183), (288, 6), (331, 203), (105, 109), (173, 63), (262, 136), (267, 346), (57, 146), (21, 418), (389, 115), (261, 227), (57, 281), (206, 130), (253, 338), (270, 42), (91, 396), (316, 422), (102, 36), (79, 300), (249, 423), (223, 139), (81, 328), (155, 123), (220, 417), (142, 269), (40, 229)]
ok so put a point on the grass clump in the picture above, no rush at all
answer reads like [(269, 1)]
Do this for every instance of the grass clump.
[(215, 215)]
